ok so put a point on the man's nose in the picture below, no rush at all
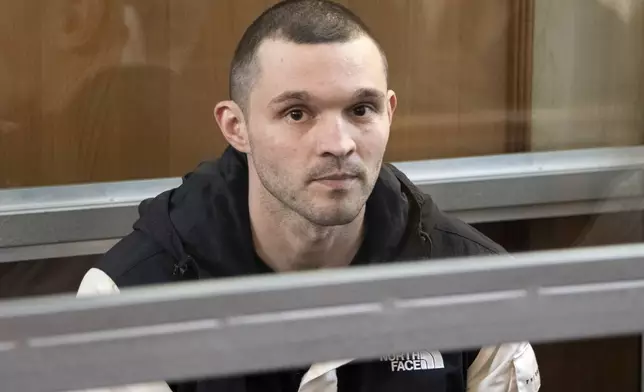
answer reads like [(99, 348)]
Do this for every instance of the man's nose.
[(335, 137)]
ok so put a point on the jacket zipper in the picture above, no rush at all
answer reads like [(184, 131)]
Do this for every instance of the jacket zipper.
[(181, 267)]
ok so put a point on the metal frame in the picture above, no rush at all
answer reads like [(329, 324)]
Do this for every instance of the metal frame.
[(88, 219), (212, 328)]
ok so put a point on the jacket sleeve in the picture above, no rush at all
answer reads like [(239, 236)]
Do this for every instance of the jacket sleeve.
[(97, 282), (508, 367)]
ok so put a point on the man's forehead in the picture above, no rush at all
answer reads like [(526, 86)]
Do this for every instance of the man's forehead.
[(355, 66)]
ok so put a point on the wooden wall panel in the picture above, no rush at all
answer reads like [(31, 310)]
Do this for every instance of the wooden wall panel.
[(519, 76), (129, 94), (449, 68)]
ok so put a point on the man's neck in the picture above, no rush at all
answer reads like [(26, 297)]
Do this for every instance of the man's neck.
[(287, 242)]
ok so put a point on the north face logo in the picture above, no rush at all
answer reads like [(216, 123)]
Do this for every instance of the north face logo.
[(422, 360)]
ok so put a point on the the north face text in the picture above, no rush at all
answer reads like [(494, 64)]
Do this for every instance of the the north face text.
[(422, 360)]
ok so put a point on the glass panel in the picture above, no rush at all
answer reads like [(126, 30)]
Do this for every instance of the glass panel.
[(124, 89), (112, 90), (587, 74)]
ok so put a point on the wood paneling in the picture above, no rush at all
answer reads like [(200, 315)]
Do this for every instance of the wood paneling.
[(126, 91), (519, 76), (452, 68)]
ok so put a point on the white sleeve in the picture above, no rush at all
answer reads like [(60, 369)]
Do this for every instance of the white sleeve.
[(97, 282), (505, 368)]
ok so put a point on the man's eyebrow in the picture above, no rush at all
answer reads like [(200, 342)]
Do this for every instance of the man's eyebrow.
[(303, 96), (368, 93), (290, 96)]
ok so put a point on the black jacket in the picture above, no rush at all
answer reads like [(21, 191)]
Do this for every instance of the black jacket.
[(201, 230)]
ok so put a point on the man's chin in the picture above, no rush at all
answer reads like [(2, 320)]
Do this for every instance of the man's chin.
[(333, 217)]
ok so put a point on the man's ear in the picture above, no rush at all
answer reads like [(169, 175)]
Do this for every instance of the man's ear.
[(230, 119), (392, 103), (78, 22)]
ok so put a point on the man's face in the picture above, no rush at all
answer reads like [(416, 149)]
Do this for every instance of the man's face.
[(318, 123)]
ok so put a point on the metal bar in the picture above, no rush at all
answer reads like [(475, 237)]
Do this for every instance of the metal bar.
[(75, 213), (479, 189), (213, 328), (52, 251)]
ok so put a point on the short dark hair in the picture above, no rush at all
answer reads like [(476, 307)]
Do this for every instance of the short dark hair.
[(297, 21)]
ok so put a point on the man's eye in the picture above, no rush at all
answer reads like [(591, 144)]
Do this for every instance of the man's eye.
[(296, 115), (360, 110)]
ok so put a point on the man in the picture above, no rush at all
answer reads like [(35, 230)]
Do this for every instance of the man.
[(308, 123)]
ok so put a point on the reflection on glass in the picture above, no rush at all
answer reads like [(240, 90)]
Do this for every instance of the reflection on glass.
[(587, 79), (96, 90)]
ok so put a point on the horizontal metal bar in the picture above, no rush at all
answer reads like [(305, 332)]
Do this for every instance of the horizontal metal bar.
[(477, 189), (52, 251), (534, 185), (52, 215), (213, 328)]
